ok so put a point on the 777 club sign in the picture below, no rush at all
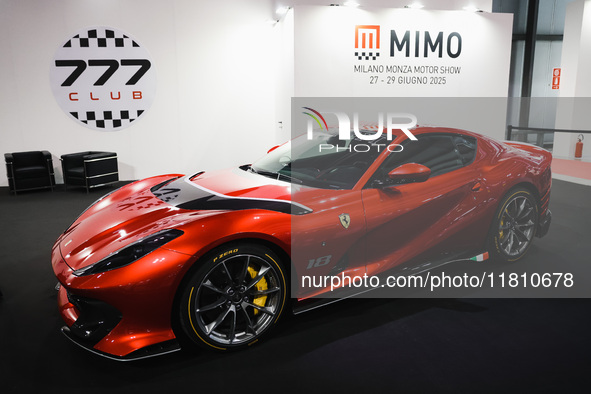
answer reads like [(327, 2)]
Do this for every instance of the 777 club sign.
[(103, 78)]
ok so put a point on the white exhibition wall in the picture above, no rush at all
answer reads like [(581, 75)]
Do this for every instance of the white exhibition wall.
[(215, 70), (224, 76)]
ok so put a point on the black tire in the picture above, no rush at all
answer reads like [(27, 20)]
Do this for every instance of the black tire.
[(514, 226), (235, 297)]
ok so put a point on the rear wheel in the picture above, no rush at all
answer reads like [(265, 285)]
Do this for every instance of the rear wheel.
[(514, 226), (235, 298)]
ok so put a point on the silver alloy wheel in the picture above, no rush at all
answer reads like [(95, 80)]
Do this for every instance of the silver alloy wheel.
[(238, 299), (517, 225)]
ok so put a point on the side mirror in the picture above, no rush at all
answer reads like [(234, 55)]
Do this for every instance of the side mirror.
[(273, 148), (409, 173)]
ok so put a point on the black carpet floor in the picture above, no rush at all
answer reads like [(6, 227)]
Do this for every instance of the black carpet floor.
[(462, 345)]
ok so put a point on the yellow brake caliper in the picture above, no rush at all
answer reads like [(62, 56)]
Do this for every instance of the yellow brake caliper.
[(501, 232), (261, 285)]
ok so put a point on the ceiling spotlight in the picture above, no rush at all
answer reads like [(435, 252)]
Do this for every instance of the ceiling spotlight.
[(272, 22), (282, 10), (471, 8), (351, 4), (415, 6)]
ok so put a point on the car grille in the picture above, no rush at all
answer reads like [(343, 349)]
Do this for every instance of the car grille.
[(96, 319)]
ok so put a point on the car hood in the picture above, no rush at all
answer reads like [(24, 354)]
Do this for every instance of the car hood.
[(144, 208), (233, 189), (118, 223)]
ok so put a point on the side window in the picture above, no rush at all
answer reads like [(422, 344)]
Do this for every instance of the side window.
[(466, 147), (441, 153)]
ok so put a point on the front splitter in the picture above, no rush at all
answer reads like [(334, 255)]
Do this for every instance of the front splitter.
[(158, 349)]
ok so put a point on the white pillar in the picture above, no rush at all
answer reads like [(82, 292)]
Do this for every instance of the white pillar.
[(574, 106)]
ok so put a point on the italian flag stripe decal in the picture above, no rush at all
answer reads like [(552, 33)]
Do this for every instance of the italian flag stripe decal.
[(480, 257)]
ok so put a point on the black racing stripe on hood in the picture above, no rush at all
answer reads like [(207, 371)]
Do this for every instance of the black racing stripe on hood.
[(214, 202), (184, 196)]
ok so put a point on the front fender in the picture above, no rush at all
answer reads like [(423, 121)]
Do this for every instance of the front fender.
[(214, 228), (211, 229)]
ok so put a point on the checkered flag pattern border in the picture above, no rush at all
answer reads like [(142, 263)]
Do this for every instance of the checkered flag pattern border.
[(367, 55), (102, 119), (93, 40)]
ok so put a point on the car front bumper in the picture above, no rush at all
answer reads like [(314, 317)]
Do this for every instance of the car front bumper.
[(125, 315)]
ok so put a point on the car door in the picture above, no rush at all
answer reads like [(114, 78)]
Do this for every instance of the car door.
[(327, 242), (421, 222), (330, 240)]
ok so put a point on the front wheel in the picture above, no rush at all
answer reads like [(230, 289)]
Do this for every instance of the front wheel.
[(514, 226), (234, 298)]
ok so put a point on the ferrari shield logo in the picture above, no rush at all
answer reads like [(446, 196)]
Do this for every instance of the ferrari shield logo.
[(345, 219)]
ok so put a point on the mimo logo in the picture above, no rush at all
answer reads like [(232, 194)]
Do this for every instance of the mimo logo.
[(367, 42), (422, 43), (345, 125)]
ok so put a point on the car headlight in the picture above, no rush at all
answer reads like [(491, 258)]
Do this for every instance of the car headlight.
[(130, 253)]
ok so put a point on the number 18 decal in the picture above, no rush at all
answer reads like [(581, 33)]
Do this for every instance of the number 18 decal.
[(319, 262)]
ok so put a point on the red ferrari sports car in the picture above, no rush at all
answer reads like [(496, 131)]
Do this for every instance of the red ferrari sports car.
[(206, 259)]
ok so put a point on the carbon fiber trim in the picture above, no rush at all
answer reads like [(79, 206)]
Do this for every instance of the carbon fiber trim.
[(147, 352)]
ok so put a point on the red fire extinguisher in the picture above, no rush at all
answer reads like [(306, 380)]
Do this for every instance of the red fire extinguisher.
[(579, 146)]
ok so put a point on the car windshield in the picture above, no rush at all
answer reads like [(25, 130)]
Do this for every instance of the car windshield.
[(325, 161)]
